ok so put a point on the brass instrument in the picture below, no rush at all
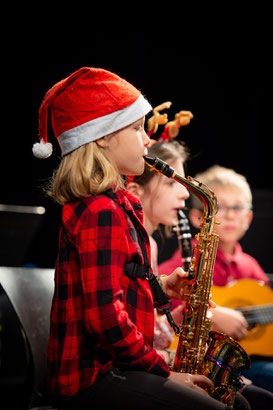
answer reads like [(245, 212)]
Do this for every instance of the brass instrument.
[(200, 351)]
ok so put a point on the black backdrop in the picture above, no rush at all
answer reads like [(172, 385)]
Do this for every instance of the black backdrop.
[(226, 90)]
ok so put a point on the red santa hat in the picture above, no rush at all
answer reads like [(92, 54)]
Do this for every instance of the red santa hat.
[(87, 105)]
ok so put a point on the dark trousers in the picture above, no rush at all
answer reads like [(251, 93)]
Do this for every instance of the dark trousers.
[(259, 398), (144, 391)]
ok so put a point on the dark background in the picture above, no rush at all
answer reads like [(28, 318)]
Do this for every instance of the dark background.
[(226, 88)]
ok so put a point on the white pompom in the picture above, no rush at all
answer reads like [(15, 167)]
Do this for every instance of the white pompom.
[(42, 149)]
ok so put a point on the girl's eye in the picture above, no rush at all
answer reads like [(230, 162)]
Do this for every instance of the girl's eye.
[(170, 183)]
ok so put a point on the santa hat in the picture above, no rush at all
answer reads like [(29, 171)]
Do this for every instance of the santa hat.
[(87, 105)]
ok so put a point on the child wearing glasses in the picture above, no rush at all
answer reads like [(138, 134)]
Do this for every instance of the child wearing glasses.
[(232, 263), (235, 215)]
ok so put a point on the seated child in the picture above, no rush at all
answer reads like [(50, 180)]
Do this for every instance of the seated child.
[(235, 216)]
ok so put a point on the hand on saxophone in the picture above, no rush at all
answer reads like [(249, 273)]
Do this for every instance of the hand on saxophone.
[(175, 285), (197, 382)]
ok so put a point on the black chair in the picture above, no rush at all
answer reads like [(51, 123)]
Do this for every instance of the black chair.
[(19, 227), (25, 301)]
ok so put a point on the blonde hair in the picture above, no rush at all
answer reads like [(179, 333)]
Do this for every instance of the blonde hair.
[(82, 173), (219, 177)]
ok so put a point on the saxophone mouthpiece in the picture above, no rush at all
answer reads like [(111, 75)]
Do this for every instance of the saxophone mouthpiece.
[(149, 160), (159, 166)]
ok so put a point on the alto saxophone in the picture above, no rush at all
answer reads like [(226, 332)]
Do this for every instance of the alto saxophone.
[(199, 350)]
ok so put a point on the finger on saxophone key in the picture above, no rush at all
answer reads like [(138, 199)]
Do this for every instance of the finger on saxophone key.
[(174, 284)]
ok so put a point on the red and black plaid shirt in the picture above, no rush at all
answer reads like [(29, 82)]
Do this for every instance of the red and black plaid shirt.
[(100, 318)]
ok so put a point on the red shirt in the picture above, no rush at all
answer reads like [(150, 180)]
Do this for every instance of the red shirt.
[(240, 265), (227, 268), (100, 318)]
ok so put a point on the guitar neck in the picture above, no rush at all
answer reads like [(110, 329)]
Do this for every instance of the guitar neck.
[(257, 315)]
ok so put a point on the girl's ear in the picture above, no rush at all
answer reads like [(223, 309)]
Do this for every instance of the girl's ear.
[(195, 215), (135, 189), (101, 142)]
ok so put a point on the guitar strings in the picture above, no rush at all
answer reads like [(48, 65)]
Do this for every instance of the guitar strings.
[(258, 314)]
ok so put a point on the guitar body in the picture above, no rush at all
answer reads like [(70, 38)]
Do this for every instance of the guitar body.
[(247, 293)]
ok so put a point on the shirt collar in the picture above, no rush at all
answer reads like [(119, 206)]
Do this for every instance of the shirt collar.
[(123, 197), (228, 259)]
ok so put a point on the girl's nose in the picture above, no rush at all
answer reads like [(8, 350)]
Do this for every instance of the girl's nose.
[(183, 192), (146, 140)]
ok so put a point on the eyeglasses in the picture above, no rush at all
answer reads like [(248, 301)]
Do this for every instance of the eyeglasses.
[(237, 209)]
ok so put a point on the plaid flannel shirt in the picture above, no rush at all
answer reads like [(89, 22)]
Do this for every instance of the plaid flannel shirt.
[(100, 318)]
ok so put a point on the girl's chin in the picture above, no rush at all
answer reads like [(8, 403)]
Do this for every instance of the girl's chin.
[(136, 171), (170, 222)]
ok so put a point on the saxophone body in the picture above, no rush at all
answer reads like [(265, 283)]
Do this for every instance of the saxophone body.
[(200, 351)]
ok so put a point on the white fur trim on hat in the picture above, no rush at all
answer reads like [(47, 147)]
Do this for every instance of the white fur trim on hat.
[(99, 127), (42, 149)]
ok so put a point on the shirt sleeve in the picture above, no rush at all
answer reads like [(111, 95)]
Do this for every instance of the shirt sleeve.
[(103, 250)]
